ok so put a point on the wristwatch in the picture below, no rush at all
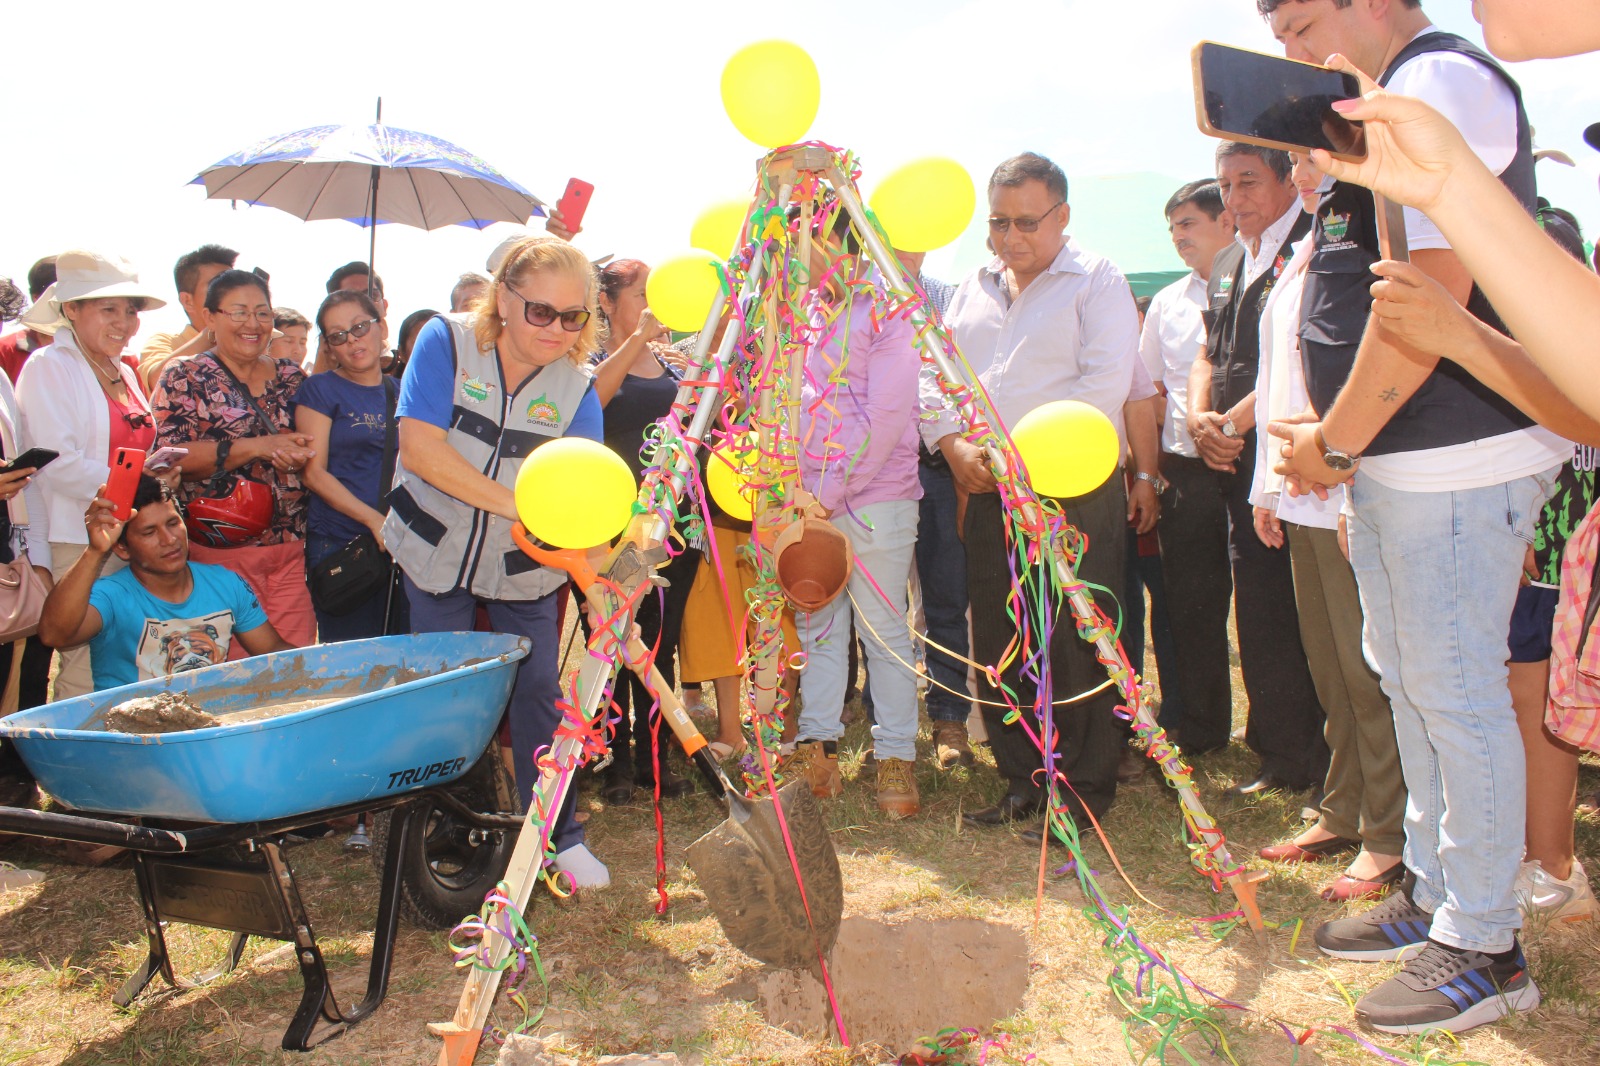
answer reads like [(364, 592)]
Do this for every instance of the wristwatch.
[(1335, 460), (1155, 481), (1229, 430)]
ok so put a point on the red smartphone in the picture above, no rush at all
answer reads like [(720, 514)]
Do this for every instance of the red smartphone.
[(574, 202), (126, 467)]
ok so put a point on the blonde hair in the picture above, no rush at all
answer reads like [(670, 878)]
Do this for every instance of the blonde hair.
[(526, 258)]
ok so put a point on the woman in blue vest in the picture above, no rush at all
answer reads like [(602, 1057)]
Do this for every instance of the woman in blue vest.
[(482, 390)]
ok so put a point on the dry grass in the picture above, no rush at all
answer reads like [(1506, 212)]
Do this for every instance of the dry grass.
[(625, 979)]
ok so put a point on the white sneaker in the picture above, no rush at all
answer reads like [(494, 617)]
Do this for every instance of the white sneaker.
[(579, 863), (1544, 899), (13, 877)]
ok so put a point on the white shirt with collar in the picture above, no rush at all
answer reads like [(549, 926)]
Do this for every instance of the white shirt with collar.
[(1174, 333), (1259, 262), (1072, 334)]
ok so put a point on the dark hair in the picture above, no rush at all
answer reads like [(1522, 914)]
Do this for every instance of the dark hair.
[(413, 323), (618, 275), (354, 269), (1205, 194), (1030, 166), (41, 276), (1142, 303), (1267, 7), (1561, 226), (288, 318), (187, 273), (11, 300), (345, 296), (150, 490), (1277, 160), (229, 280), (470, 280), (839, 227)]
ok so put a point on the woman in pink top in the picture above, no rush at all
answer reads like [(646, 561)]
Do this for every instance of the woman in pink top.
[(858, 441)]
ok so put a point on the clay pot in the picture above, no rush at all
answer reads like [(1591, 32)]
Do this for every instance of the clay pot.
[(813, 563)]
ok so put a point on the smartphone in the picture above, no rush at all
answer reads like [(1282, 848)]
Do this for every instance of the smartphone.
[(38, 458), (574, 202), (1274, 102), (164, 459), (126, 467)]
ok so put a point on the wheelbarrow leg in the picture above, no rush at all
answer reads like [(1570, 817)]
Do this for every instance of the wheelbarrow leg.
[(157, 960), (318, 1003)]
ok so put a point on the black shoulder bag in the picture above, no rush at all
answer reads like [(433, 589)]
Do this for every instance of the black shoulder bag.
[(358, 571)]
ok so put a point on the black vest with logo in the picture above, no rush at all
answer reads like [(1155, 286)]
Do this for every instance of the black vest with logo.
[(1233, 317), (1451, 407)]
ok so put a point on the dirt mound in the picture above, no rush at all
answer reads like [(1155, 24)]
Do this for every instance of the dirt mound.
[(165, 712), (897, 983)]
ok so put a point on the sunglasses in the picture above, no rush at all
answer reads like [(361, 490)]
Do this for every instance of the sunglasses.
[(542, 314), (138, 419), (1000, 224), (357, 330)]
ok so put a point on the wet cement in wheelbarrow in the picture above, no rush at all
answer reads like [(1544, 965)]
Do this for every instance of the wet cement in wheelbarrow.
[(899, 982)]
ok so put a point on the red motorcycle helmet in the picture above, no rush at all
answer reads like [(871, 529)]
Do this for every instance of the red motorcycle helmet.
[(231, 520)]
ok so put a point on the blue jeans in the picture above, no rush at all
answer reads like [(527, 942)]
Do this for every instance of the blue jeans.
[(942, 571), (533, 712), (883, 551), (367, 619), (1438, 574)]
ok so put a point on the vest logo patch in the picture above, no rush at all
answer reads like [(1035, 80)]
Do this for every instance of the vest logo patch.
[(542, 412), (474, 390), (1225, 284), (1335, 226)]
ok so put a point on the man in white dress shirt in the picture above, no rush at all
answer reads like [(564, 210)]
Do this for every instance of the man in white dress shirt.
[(1046, 320)]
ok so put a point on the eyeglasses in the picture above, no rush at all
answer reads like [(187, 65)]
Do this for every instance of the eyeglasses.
[(265, 316), (542, 314), (1000, 224), (357, 330), (138, 419)]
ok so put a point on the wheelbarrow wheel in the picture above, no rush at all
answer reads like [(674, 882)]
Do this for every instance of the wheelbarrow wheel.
[(450, 865)]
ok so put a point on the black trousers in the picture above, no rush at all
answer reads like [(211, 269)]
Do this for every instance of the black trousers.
[(631, 750), (1089, 741), (1209, 554), (33, 693)]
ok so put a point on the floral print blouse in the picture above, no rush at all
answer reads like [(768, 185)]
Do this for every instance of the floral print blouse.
[(198, 399)]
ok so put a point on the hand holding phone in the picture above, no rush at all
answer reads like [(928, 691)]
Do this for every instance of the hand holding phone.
[(573, 203), (126, 468), (164, 459)]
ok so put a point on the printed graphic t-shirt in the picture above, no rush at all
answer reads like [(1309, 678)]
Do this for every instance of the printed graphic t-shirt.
[(1574, 495), (142, 637)]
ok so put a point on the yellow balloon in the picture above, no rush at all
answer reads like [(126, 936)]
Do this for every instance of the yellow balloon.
[(574, 493), (718, 227), (925, 204), (1069, 447), (681, 289), (726, 480), (771, 90)]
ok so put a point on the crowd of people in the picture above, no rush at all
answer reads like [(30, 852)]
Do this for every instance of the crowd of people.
[(1350, 455)]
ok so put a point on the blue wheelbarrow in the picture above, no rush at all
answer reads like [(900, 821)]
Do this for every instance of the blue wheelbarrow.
[(398, 725)]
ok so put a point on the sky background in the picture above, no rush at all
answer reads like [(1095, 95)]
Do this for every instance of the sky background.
[(122, 106)]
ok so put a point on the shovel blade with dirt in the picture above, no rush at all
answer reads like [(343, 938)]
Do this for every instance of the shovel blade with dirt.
[(744, 867)]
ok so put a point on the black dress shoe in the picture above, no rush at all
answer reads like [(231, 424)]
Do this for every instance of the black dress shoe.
[(1264, 783), (673, 785), (1011, 808), (1034, 834), (617, 785)]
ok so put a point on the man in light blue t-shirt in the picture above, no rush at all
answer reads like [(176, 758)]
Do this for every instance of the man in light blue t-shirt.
[(162, 615)]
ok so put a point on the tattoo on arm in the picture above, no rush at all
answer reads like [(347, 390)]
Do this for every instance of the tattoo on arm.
[(1389, 395)]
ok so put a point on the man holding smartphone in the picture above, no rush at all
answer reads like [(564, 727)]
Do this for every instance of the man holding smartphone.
[(1453, 479)]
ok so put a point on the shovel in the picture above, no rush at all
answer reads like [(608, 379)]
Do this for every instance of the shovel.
[(777, 905)]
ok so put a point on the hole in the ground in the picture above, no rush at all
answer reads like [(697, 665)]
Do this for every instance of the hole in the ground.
[(897, 983)]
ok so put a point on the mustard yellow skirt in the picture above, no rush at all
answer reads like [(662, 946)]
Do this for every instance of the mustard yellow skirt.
[(707, 649)]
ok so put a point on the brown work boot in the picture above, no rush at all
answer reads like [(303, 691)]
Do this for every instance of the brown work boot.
[(817, 762), (897, 788), (950, 745)]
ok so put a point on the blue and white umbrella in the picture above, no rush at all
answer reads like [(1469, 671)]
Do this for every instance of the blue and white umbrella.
[(370, 174)]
